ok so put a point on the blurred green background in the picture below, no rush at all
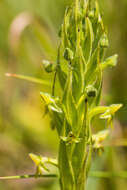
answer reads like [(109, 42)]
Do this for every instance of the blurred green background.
[(28, 34)]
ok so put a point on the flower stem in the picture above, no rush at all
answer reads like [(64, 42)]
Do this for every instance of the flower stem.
[(28, 176)]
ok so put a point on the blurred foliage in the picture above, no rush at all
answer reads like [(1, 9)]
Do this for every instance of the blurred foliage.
[(28, 34)]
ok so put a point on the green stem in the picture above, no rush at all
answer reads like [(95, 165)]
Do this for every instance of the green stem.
[(108, 174), (28, 176), (95, 174), (54, 81), (55, 74)]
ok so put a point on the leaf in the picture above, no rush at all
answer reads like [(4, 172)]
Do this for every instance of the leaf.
[(57, 121), (88, 39), (77, 78), (65, 167), (69, 106), (61, 74), (109, 62), (28, 78), (81, 108), (101, 39), (65, 27), (91, 74), (98, 86), (62, 77)]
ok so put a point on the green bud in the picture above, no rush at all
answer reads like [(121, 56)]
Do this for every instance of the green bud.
[(104, 41), (91, 91), (91, 14), (48, 66), (68, 54)]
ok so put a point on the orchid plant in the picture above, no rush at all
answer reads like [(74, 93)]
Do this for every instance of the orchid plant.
[(75, 101)]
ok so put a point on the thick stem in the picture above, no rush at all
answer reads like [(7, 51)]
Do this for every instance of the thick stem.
[(67, 181), (73, 169)]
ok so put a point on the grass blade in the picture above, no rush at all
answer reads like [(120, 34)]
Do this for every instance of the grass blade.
[(28, 78)]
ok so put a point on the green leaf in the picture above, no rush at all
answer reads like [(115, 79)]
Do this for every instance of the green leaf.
[(28, 78), (65, 27), (65, 167), (69, 106), (61, 74), (77, 78), (62, 77), (88, 39), (57, 121), (98, 86), (81, 108), (91, 72)]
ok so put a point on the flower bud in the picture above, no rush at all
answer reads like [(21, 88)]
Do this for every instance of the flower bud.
[(68, 54), (48, 66), (91, 91), (104, 41)]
